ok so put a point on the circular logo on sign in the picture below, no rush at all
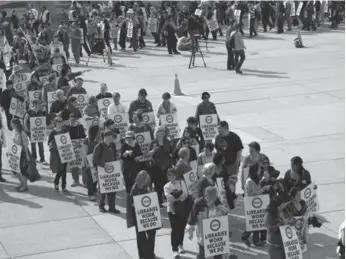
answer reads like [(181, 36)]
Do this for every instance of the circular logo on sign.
[(118, 118), (109, 169), (140, 139), (256, 203), (24, 77), (215, 225), (169, 119), (146, 201), (13, 106), (208, 119), (54, 95), (38, 122), (289, 233), (19, 86), (223, 184), (299, 224), (145, 118), (37, 95), (106, 102), (307, 193), (14, 149), (80, 98), (192, 177), (63, 140)]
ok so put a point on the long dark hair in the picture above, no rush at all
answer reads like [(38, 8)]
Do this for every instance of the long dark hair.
[(93, 132), (18, 124)]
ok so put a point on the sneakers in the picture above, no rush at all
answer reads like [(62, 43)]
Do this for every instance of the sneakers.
[(114, 211), (102, 209), (175, 254), (181, 249)]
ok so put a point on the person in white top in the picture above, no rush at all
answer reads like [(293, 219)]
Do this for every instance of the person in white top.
[(33, 18), (177, 195), (115, 107), (166, 107)]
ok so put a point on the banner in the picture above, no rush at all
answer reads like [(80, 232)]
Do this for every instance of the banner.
[(216, 236), (301, 227), (13, 154), (38, 129), (171, 122), (149, 118), (144, 141), (110, 177), (57, 67), (113, 33), (221, 189), (77, 145), (82, 101), (309, 195), (2, 79), (255, 210), (17, 108), (147, 211), (103, 106), (190, 180), (64, 144), (34, 95), (21, 81), (51, 97), (208, 124), (152, 25), (121, 122), (129, 29), (290, 242)]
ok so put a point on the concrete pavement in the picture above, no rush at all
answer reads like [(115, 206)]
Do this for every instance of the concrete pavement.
[(290, 100)]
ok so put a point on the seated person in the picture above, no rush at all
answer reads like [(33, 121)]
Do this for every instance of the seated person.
[(184, 44)]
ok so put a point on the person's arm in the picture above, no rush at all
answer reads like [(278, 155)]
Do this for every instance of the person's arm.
[(26, 120), (167, 192), (131, 111), (96, 155)]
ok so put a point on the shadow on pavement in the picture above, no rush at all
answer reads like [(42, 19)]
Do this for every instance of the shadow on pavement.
[(5, 197)]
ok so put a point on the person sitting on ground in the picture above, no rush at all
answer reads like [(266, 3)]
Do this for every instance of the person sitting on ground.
[(184, 44)]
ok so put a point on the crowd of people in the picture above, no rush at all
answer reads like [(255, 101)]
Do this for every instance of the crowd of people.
[(34, 59)]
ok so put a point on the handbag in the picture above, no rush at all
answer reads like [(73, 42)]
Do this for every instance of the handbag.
[(30, 167)]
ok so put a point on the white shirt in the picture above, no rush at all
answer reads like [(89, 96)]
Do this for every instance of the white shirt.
[(33, 13), (169, 187), (113, 108)]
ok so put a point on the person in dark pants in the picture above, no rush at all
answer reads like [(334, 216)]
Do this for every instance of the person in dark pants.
[(145, 239), (252, 13), (238, 48), (106, 152), (229, 46), (266, 11), (171, 39), (2, 141)]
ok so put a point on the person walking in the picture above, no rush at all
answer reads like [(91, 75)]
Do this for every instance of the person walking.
[(76, 36), (229, 47), (239, 49)]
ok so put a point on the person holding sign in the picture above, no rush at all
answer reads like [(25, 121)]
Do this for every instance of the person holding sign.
[(183, 165), (48, 88), (145, 239), (205, 157), (116, 106), (166, 107), (193, 131), (140, 104), (77, 88), (205, 107), (105, 152), (36, 111), (206, 207), (295, 207), (71, 109), (103, 92), (209, 170), (177, 201)]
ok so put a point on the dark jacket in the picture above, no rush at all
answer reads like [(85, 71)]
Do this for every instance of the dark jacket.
[(104, 153), (6, 96), (137, 105), (101, 96), (57, 106), (129, 165)]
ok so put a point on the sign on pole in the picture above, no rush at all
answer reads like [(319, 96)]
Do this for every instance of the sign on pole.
[(38, 129), (216, 236), (103, 106), (171, 122), (149, 118), (147, 211), (309, 195), (92, 168), (121, 122), (64, 144), (77, 145), (290, 242), (110, 177), (255, 210), (82, 101), (14, 152), (209, 124)]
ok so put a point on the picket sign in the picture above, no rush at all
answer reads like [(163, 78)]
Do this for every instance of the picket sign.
[(57, 67), (209, 124), (309, 195), (121, 122), (110, 177), (51, 97), (255, 209), (38, 129), (144, 141), (82, 101), (149, 118), (21, 81), (13, 154), (170, 121), (129, 33), (290, 241), (147, 211), (152, 25), (65, 148), (190, 180), (17, 107), (2, 79), (221, 188), (103, 106), (301, 228), (34, 95), (77, 145)]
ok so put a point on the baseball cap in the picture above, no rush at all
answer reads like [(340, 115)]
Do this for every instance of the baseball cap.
[(142, 91)]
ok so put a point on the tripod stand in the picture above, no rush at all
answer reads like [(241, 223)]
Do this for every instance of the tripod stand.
[(196, 48)]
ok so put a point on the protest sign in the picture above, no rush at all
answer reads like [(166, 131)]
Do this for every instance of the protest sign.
[(77, 145), (54, 46), (216, 236), (65, 148), (92, 168), (57, 67), (38, 129), (190, 180), (171, 122), (301, 227), (309, 195), (21, 82), (34, 95), (290, 242), (103, 106), (51, 97), (255, 209), (44, 79), (2, 79), (149, 118), (209, 124), (147, 211), (129, 32), (82, 101), (212, 23), (143, 140), (89, 121), (17, 107), (221, 189), (13, 154), (113, 32), (121, 122), (152, 25), (110, 177)]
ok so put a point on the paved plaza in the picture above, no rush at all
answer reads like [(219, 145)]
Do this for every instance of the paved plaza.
[(290, 100)]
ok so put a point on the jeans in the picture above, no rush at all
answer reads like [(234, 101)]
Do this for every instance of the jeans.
[(61, 173), (40, 151), (8, 118), (201, 254), (239, 54), (257, 236), (91, 185), (110, 200), (75, 174), (178, 224), (230, 56), (146, 243), (171, 45), (159, 178), (252, 27)]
